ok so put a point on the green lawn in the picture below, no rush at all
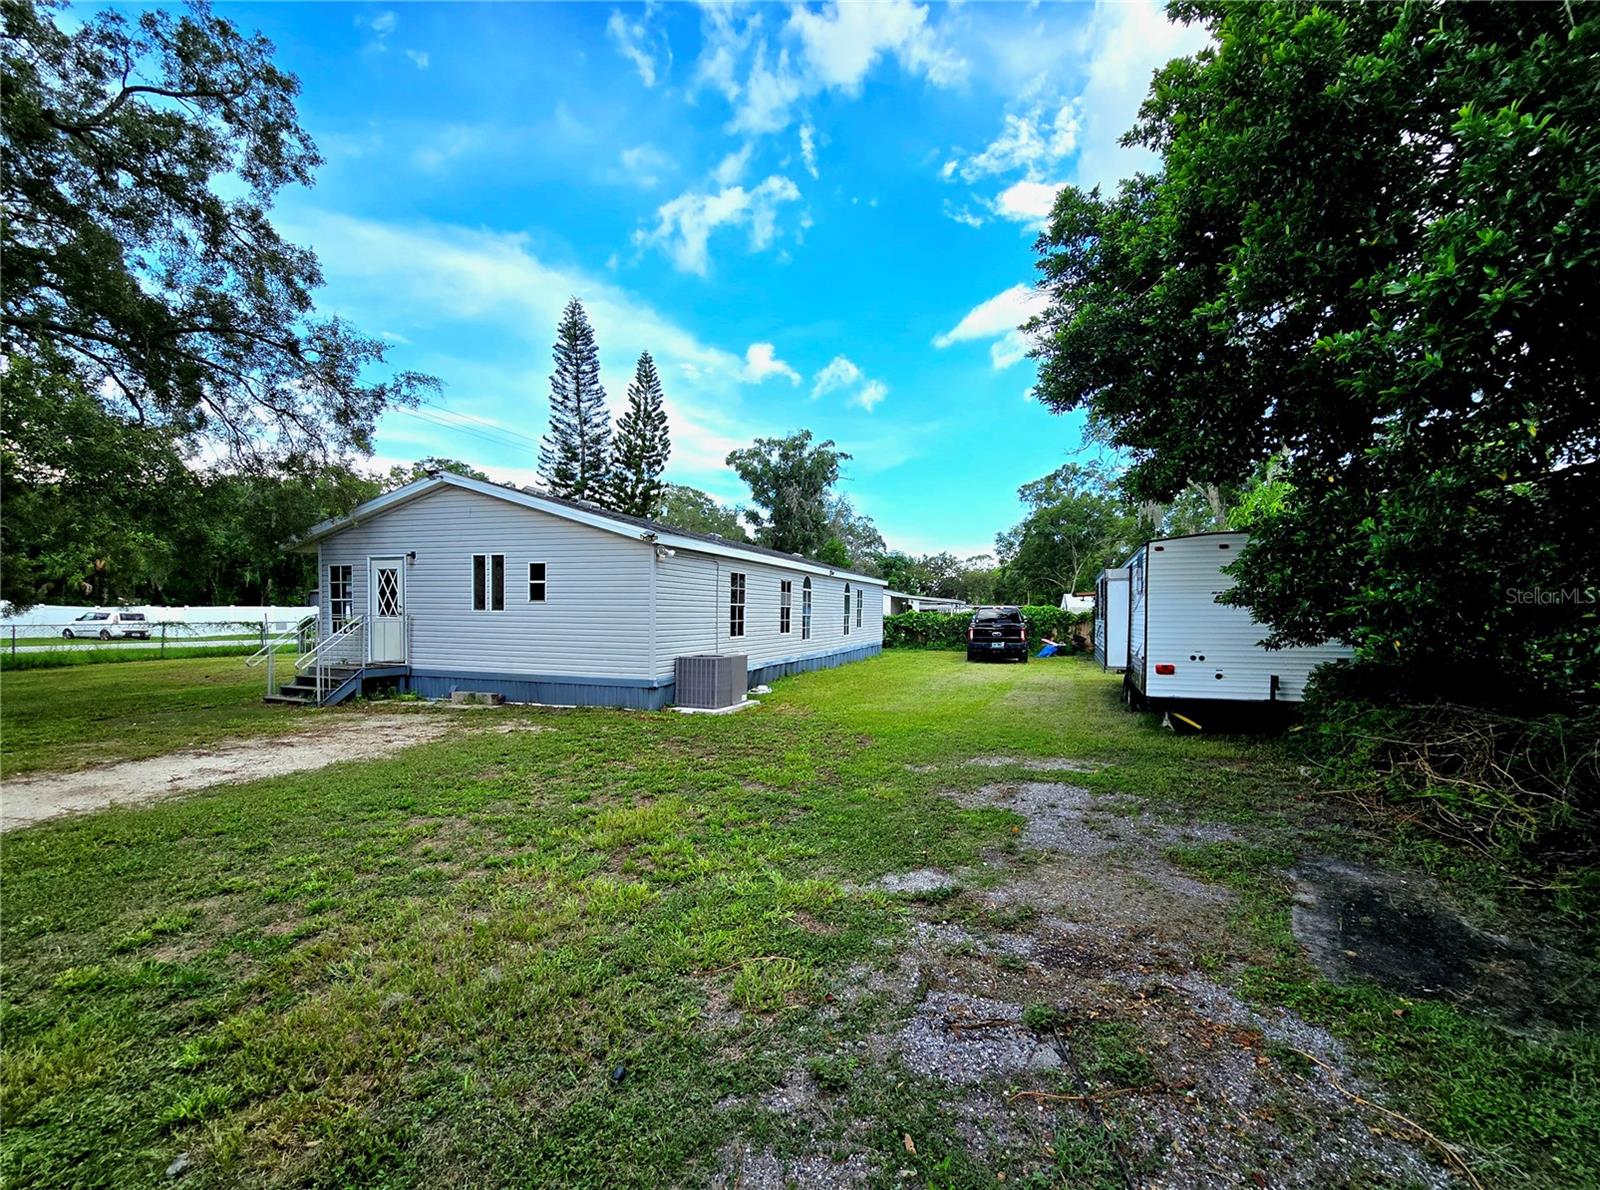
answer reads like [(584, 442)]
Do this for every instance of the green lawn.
[(514, 957), (78, 715)]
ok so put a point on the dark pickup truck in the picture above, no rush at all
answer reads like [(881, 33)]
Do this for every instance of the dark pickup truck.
[(997, 632)]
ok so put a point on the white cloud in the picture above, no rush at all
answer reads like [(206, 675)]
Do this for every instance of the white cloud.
[(998, 319), (842, 41), (761, 363), (637, 43), (1123, 45), (808, 149), (1033, 142), (1027, 202), (643, 165), (842, 373), (870, 395), (962, 215), (685, 224), (380, 25), (839, 373), (833, 48), (731, 168), (1010, 348), (419, 58)]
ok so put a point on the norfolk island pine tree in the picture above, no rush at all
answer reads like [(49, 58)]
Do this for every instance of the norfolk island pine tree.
[(576, 452)]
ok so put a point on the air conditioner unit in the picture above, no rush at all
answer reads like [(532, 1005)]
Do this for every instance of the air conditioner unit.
[(711, 681)]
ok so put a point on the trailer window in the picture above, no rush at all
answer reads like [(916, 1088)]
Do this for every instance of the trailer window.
[(736, 605), (785, 608), (488, 582), (536, 582), (860, 595), (805, 611), (847, 609)]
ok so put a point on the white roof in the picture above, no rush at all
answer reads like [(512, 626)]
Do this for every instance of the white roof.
[(635, 528)]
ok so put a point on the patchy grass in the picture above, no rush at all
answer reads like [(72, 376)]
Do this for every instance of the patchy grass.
[(549, 956), (80, 715)]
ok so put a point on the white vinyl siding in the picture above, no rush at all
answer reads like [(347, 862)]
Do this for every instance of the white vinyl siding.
[(595, 621), (687, 582)]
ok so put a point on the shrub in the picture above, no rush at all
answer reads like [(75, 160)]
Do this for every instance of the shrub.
[(948, 630)]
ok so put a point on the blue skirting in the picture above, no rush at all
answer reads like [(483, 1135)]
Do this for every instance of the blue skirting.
[(640, 694)]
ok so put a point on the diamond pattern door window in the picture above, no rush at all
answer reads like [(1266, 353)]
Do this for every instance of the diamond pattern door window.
[(388, 591)]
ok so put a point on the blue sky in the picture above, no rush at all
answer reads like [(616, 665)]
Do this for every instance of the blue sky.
[(812, 217)]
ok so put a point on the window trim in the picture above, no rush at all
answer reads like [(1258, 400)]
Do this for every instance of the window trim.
[(785, 607), (335, 621), (805, 609), (860, 599), (847, 609), (485, 565), (542, 582)]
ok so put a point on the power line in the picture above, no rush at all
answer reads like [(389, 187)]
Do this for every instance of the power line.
[(484, 435)]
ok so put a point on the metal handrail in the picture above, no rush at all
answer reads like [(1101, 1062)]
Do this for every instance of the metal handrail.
[(314, 654), (277, 642)]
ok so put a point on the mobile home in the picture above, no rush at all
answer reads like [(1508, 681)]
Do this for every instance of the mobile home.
[(1111, 619), (452, 584), (899, 602), (1184, 646)]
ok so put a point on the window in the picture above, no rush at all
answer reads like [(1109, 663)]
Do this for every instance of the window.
[(736, 605), (860, 594), (488, 582), (805, 611), (388, 591), (341, 605), (785, 605), (847, 609), (536, 582)]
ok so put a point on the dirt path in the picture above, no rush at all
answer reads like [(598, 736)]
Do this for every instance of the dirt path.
[(27, 800)]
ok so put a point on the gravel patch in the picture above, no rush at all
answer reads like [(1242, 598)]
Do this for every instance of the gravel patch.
[(797, 1092), (1060, 764), (1058, 816), (967, 1040), (749, 1169), (921, 880)]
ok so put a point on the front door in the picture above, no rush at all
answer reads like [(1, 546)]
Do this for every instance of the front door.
[(386, 610)]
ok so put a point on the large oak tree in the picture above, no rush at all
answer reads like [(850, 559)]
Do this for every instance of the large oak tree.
[(140, 158)]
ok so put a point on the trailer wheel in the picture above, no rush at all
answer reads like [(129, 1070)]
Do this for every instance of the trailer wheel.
[(1131, 696)]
